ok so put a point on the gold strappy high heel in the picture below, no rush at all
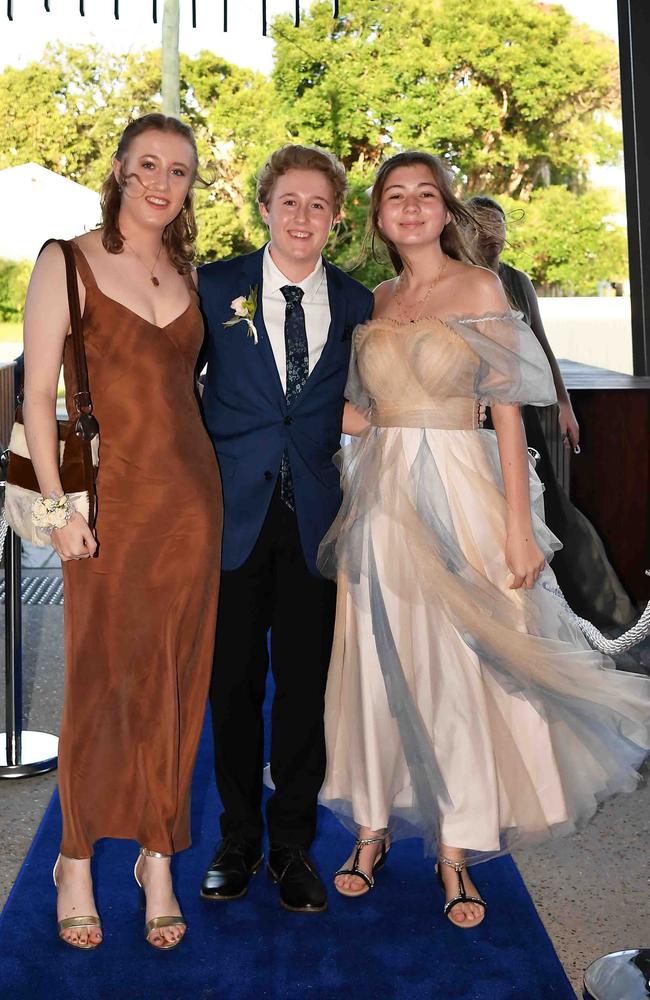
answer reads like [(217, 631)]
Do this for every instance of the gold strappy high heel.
[(380, 861), (69, 923), (157, 922), (462, 897)]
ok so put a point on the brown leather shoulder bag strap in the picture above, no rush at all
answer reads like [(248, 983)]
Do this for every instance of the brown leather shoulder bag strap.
[(74, 308), (81, 398)]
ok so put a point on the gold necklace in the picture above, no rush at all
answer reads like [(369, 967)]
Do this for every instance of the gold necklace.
[(152, 277), (398, 298)]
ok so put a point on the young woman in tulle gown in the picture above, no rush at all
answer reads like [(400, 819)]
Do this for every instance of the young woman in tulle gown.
[(463, 705)]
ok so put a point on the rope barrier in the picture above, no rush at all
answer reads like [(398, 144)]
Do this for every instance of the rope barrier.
[(4, 528), (611, 647)]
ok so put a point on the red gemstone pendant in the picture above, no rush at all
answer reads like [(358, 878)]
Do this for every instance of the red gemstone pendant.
[(154, 280)]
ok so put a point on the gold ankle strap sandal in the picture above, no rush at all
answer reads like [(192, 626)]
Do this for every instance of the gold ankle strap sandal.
[(70, 923), (156, 923)]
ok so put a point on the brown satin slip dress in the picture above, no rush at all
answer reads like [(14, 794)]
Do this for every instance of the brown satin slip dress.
[(140, 618)]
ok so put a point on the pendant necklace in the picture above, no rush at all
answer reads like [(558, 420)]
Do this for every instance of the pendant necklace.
[(421, 302), (152, 277)]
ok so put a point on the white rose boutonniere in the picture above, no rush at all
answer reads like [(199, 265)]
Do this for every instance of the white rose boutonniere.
[(244, 308)]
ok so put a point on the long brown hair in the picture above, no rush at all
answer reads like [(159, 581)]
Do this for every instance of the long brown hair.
[(179, 235), (487, 232), (452, 240)]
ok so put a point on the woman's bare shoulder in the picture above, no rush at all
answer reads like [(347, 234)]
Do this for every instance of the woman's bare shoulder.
[(50, 264), (383, 292), (481, 288), (90, 243)]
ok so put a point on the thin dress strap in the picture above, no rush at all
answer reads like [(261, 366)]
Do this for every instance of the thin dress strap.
[(83, 267)]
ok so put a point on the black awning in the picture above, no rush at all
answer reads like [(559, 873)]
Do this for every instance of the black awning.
[(155, 4)]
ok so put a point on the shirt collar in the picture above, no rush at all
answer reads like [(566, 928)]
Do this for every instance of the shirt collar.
[(274, 279)]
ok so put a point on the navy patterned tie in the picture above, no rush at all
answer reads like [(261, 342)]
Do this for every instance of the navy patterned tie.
[(297, 352)]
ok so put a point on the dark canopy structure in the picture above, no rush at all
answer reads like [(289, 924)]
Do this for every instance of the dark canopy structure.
[(155, 5), (634, 34)]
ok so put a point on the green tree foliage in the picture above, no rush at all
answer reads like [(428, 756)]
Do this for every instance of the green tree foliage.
[(14, 278), (516, 97), (511, 93), (235, 117), (566, 240), (67, 112)]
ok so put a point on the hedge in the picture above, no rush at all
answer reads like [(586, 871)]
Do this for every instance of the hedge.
[(14, 278)]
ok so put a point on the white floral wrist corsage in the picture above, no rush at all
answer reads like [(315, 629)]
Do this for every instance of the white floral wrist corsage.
[(52, 512)]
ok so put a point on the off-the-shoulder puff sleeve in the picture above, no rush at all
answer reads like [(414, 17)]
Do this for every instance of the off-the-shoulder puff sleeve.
[(513, 367), (354, 389)]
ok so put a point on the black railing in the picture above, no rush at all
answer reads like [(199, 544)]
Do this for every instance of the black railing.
[(11, 4)]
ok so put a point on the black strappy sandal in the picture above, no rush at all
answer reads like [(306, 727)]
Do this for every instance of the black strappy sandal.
[(462, 897), (380, 861)]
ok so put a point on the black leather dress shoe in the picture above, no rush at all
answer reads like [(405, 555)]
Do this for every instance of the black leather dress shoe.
[(301, 888), (231, 868)]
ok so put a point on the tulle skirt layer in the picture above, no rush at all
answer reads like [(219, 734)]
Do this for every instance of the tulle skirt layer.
[(458, 709)]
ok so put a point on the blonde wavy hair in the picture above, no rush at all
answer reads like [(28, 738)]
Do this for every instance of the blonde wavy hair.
[(295, 157)]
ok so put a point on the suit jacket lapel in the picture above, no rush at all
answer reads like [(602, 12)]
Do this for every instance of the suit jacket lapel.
[(254, 273)]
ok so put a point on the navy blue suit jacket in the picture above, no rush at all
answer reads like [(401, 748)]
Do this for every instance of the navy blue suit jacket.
[(246, 411)]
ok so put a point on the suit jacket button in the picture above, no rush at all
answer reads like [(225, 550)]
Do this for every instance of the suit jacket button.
[(268, 475), (288, 420)]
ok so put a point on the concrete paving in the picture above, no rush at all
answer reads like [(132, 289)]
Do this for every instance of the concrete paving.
[(591, 890)]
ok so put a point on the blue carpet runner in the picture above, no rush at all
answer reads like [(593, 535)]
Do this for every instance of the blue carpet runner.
[(394, 944)]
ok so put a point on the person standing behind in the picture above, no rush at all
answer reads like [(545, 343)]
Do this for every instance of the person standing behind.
[(273, 404), (583, 571)]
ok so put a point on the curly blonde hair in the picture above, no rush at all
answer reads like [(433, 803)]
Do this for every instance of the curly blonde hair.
[(294, 157)]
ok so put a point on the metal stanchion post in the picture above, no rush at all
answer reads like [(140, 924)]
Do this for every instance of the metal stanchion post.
[(22, 751), (623, 975)]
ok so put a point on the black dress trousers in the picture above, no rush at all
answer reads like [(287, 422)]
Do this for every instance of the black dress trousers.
[(272, 590)]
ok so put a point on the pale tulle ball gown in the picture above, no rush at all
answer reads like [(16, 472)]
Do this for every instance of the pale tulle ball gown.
[(457, 709)]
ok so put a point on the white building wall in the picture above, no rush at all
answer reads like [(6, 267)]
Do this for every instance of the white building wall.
[(595, 331)]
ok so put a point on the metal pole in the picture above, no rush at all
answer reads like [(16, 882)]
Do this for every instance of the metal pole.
[(621, 975), (634, 38), (13, 649), (170, 59), (22, 752)]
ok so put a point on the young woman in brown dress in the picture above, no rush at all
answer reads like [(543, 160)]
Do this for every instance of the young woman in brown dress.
[(141, 589)]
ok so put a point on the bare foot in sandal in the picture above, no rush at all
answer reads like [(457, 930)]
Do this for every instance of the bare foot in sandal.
[(356, 877)]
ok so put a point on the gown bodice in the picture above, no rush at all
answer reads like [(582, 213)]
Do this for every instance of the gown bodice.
[(436, 373), (418, 374)]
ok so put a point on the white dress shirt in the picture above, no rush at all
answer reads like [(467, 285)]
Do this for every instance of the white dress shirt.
[(315, 303)]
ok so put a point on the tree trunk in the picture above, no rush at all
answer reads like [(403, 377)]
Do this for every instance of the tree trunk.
[(170, 59)]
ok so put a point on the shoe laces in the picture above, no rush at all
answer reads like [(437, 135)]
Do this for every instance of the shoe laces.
[(231, 846)]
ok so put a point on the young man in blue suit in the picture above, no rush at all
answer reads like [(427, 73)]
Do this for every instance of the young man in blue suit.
[(279, 331)]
